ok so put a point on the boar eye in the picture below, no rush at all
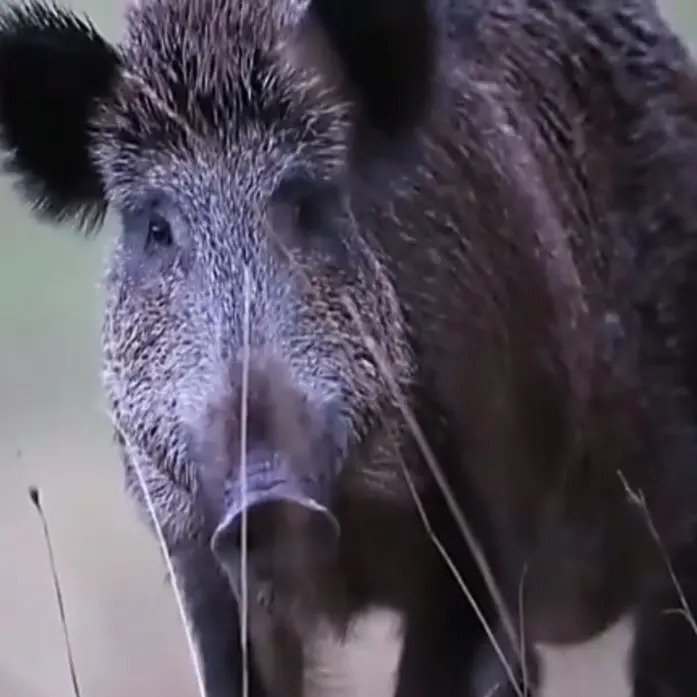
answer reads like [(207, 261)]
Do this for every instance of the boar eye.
[(305, 202), (309, 209), (159, 231)]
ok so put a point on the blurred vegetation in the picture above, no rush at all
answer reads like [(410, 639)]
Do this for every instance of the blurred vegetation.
[(53, 433)]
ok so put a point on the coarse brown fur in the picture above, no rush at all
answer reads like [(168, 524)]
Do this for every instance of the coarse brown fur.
[(500, 198)]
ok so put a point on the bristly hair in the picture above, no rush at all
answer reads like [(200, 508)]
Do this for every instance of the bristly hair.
[(217, 83), (210, 84), (199, 68), (185, 90), (54, 68)]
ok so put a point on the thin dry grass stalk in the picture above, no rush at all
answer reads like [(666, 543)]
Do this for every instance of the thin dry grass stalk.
[(35, 497), (637, 498), (454, 508), (244, 614), (191, 645)]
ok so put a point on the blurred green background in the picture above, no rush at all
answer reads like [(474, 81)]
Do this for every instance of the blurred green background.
[(53, 433)]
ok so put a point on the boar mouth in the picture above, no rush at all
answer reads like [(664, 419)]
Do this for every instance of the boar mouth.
[(290, 532)]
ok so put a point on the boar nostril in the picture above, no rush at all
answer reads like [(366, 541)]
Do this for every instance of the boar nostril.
[(280, 532), (259, 532)]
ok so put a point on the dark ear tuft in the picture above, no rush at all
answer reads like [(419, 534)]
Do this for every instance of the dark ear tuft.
[(388, 50), (54, 65)]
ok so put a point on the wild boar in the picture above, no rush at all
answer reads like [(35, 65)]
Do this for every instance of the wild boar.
[(342, 219)]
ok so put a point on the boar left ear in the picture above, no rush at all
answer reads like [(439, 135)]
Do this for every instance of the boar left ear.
[(54, 67), (387, 49)]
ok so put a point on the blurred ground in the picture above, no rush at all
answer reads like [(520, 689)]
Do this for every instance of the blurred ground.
[(122, 618)]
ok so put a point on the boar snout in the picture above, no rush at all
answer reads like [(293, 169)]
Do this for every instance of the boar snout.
[(290, 529)]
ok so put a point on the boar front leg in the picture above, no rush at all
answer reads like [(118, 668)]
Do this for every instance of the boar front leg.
[(445, 649)]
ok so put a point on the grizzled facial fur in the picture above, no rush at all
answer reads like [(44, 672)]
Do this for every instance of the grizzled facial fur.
[(225, 133)]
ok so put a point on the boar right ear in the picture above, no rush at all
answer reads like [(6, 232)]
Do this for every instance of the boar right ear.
[(54, 67), (387, 49)]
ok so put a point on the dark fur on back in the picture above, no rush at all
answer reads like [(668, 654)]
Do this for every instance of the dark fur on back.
[(500, 198)]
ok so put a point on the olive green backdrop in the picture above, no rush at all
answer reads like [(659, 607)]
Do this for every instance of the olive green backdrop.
[(53, 433)]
